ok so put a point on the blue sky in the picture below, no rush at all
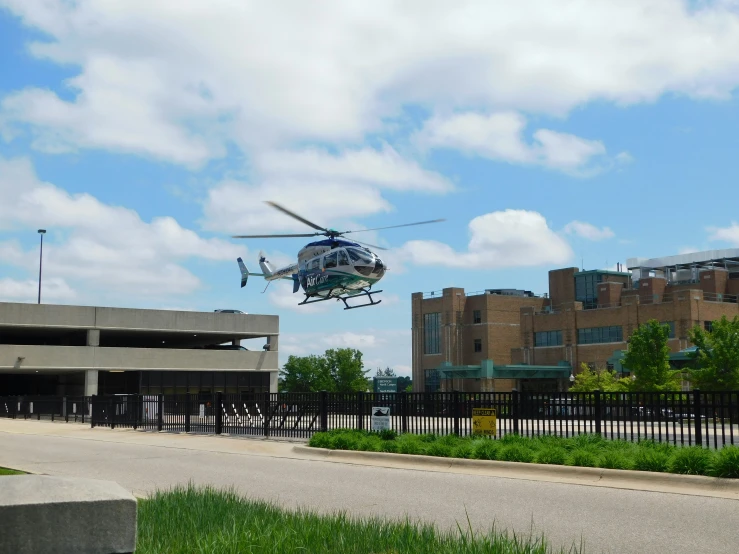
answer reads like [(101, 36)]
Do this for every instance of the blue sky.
[(142, 136)]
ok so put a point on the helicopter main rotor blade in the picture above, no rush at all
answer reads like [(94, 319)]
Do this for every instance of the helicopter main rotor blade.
[(296, 216), (370, 245), (274, 236), (393, 226)]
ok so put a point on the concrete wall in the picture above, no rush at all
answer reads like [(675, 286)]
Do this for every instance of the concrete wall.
[(61, 358), (88, 317)]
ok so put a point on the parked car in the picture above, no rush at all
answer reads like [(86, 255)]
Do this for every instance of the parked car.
[(229, 312)]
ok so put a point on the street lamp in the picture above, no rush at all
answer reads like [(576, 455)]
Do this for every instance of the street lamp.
[(572, 379), (41, 232)]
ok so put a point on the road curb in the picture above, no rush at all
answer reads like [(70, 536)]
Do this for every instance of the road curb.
[(643, 480)]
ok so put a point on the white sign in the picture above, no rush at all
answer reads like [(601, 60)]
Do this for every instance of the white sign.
[(30, 407), (74, 407), (202, 411), (380, 418)]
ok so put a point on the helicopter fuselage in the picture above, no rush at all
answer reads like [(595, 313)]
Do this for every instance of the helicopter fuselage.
[(331, 268)]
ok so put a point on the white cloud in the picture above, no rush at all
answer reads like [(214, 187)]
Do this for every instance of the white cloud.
[(99, 245), (500, 136), (588, 231), (380, 347), (325, 188), (238, 208), (350, 340), (728, 234), (510, 238), (181, 80), (384, 168), (54, 289)]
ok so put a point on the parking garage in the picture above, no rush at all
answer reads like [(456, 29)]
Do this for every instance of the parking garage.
[(50, 349)]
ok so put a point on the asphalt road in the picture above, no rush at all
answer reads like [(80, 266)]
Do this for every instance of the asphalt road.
[(607, 520)]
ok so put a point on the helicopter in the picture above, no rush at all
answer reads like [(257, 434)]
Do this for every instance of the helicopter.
[(332, 268)]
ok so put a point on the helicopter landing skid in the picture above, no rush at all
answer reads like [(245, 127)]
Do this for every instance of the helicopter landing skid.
[(366, 293)]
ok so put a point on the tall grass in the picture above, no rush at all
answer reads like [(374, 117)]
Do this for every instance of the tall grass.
[(192, 520), (581, 450), (7, 471)]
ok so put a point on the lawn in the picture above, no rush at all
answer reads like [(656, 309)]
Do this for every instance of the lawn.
[(582, 451), (6, 471), (190, 520)]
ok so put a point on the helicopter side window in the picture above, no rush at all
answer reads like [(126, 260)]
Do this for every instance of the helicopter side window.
[(329, 260), (343, 258), (314, 265)]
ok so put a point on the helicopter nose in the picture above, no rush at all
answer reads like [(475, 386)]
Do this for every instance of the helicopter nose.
[(379, 270)]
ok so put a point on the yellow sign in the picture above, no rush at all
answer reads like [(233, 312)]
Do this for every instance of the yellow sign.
[(483, 421)]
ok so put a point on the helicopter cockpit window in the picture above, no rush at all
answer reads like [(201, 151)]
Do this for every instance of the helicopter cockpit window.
[(329, 260), (343, 258), (314, 265), (358, 256)]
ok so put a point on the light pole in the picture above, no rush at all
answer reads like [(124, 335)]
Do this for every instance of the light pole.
[(41, 232)]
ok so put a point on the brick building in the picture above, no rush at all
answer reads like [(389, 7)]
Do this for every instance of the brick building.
[(466, 328), (586, 317)]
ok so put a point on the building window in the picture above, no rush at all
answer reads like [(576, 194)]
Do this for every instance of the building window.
[(548, 338), (478, 345), (476, 316), (432, 380), (671, 325), (597, 335), (432, 333), (586, 289), (708, 326)]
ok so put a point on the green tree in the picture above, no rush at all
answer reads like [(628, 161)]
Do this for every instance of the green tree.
[(306, 374), (346, 369), (405, 384), (387, 372), (648, 359), (605, 380), (717, 356)]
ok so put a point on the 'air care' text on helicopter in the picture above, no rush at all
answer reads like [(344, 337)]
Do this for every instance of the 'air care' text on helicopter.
[(330, 268)]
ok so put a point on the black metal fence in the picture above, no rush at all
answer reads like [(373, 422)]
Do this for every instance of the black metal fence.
[(67, 408), (709, 419)]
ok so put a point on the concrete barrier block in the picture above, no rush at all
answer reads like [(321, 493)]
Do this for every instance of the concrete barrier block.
[(40, 514)]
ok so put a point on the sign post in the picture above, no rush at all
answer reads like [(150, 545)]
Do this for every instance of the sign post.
[(484, 421)]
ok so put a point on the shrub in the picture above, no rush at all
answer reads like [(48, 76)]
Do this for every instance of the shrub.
[(428, 437), (464, 451), (586, 441), (614, 460), (511, 438), (389, 446), (651, 459), (370, 444), (408, 444), (692, 460), (449, 440), (485, 450), (320, 440), (726, 462), (582, 457), (439, 449), (551, 455), (388, 434), (663, 447), (344, 442), (516, 453)]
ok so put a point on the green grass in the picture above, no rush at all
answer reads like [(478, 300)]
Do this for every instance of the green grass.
[(581, 451), (6, 471), (192, 520)]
